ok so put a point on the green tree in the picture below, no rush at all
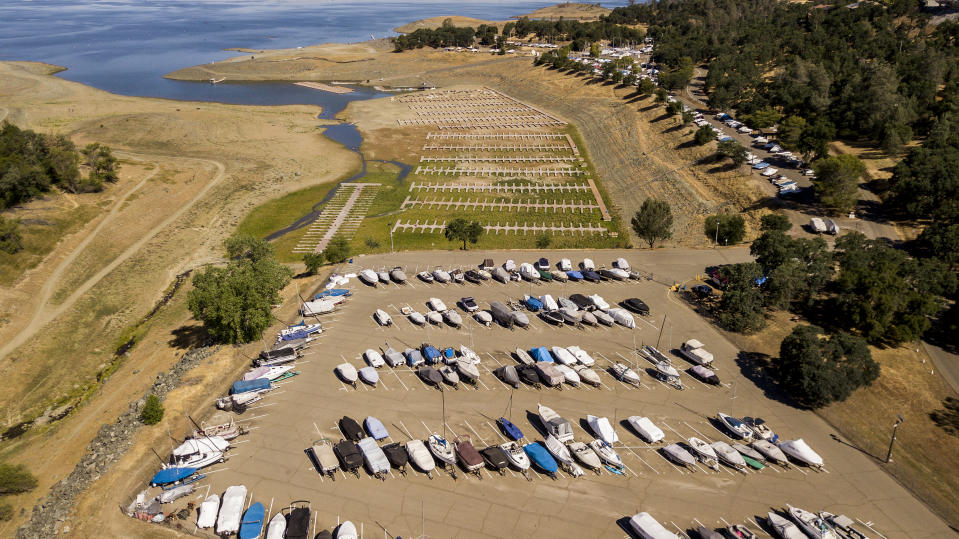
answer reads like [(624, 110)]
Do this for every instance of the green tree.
[(15, 479), (595, 49), (764, 117), (726, 229), (704, 135), (313, 261), (235, 302), (152, 412), (6, 512), (939, 240), (797, 268), (646, 86), (815, 138), (543, 241), (837, 181), (10, 239), (654, 221), (687, 117), (661, 96), (337, 250), (673, 108), (790, 131), (679, 76), (372, 244), (741, 308), (774, 222), (732, 150), (103, 165), (817, 370), (460, 229)]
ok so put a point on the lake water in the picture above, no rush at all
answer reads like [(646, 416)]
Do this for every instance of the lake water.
[(126, 47)]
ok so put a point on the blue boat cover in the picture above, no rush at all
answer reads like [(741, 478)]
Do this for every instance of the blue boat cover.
[(761, 165), (533, 304), (431, 353), (449, 353), (540, 353), (574, 275), (333, 292), (252, 524), (243, 386), (541, 457), (375, 428), (510, 429), (172, 475)]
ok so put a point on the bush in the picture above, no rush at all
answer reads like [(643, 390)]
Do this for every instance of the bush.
[(10, 239), (313, 262), (152, 412), (338, 250), (726, 229), (372, 243), (543, 241), (15, 479), (704, 135), (774, 222), (6, 512)]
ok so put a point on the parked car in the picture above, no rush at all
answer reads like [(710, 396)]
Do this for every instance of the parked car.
[(702, 291)]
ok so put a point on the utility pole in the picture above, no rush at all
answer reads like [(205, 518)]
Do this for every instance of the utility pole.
[(895, 427), (391, 236)]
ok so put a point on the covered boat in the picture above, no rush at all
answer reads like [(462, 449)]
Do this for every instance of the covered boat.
[(276, 529), (430, 376), (747, 451), (450, 376), (539, 456), (680, 456), (736, 427), (441, 275), (509, 265), (500, 274), (398, 275), (231, 510), (383, 318), (320, 306), (495, 457), (347, 373), (502, 314), (244, 386), (541, 354), (351, 429), (552, 317), (375, 428), (563, 457), (621, 263), (622, 317), (704, 452), (625, 374), (592, 276), (420, 457), (252, 525), (347, 530), (574, 276), (647, 527), (384, 276), (604, 318), (783, 527), (636, 305), (561, 428), (614, 274), (369, 277), (606, 453), (208, 511), (176, 493), (431, 353), (559, 275), (799, 450), (696, 352), (508, 375), (457, 275), (453, 318), (588, 318), (425, 276), (369, 375), (474, 276), (528, 272), (414, 358), (467, 370), (587, 375), (468, 456), (483, 317), (770, 451), (549, 303), (563, 355), (571, 377), (645, 428), (469, 355), (323, 458), (376, 461), (392, 357), (564, 264), (532, 303), (173, 474), (416, 317), (704, 374), (524, 357), (528, 375), (728, 456), (298, 523), (549, 375), (602, 429), (373, 358), (587, 264), (585, 455), (520, 319), (350, 457)]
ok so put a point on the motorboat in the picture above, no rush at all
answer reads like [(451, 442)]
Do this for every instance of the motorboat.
[(441, 275), (374, 427), (587, 264), (172, 494), (298, 523), (625, 374), (414, 358), (555, 425), (351, 429), (517, 457), (277, 356), (349, 455), (645, 428), (739, 531), (382, 318), (588, 318), (622, 317), (270, 373), (473, 276), (647, 527), (425, 276), (468, 456), (564, 264), (542, 264), (574, 276), (571, 316), (508, 375), (392, 357), (783, 527), (549, 303), (276, 529), (509, 429), (231, 509), (369, 375), (552, 317), (843, 525), (800, 450), (559, 275), (613, 274), (549, 375), (416, 317), (811, 523), (483, 274), (468, 372), (524, 357), (208, 511), (384, 276), (347, 373), (420, 457), (347, 530), (770, 451), (450, 376), (469, 355), (453, 318), (539, 456), (571, 376), (581, 356), (545, 275), (431, 353), (373, 358), (495, 456), (677, 454), (376, 461), (704, 452), (541, 354), (323, 457), (606, 453), (532, 303), (587, 375), (704, 374), (728, 456), (621, 263), (528, 272), (563, 355), (469, 304), (736, 427), (602, 428), (509, 265), (760, 429), (528, 375), (457, 275), (563, 457), (754, 459), (300, 330), (565, 303), (252, 524), (695, 351), (668, 374), (592, 276), (636, 305), (369, 277), (585, 455), (443, 451), (398, 275), (483, 317), (436, 304), (434, 317), (430, 376), (520, 319), (581, 302), (500, 274), (603, 318)]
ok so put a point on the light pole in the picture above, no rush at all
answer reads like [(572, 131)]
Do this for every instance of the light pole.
[(390, 224), (895, 427)]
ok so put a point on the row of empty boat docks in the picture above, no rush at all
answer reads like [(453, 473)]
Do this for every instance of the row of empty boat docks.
[(516, 228), (526, 205), (543, 159), (490, 171), (500, 188)]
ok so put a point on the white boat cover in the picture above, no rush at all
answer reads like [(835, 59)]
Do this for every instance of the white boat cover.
[(528, 271), (784, 528), (374, 358), (621, 273), (231, 510), (588, 264), (727, 454), (549, 303), (259, 372), (168, 496), (347, 371), (565, 264), (572, 378), (702, 447), (369, 375), (320, 306), (558, 450), (383, 318), (695, 351), (420, 455), (483, 317), (645, 427), (509, 265), (520, 319), (276, 529), (621, 263), (453, 317), (800, 450), (581, 355), (346, 531), (205, 444), (623, 317), (648, 528), (441, 275), (603, 318), (563, 355), (434, 317), (587, 375), (599, 302), (625, 374), (469, 354), (375, 458), (369, 276), (208, 511), (602, 429), (437, 304), (555, 424)]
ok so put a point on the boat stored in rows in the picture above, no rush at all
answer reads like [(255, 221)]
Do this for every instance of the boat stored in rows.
[(770, 451), (800, 450), (369, 375), (517, 457), (668, 374), (549, 375), (398, 275), (588, 375), (323, 458), (625, 374), (392, 357), (176, 493), (441, 275), (483, 317), (453, 318), (449, 376), (644, 525), (563, 355), (382, 318), (622, 317), (760, 429), (747, 451), (679, 455), (606, 453), (507, 374), (430, 376), (349, 456), (468, 456), (252, 524), (524, 357), (704, 452), (495, 457), (704, 374), (500, 274), (298, 522), (444, 452), (843, 525), (586, 456), (227, 430), (467, 370), (420, 457), (351, 429), (552, 317), (783, 527), (645, 428), (347, 530), (369, 277), (231, 509), (373, 358), (425, 276), (376, 461), (602, 429), (563, 457), (571, 377), (276, 529), (811, 523), (539, 456), (604, 318), (434, 317), (208, 511), (457, 275), (588, 318), (470, 355), (416, 317), (738, 531), (374, 427), (729, 456), (509, 429), (347, 373), (736, 427), (528, 375), (555, 424), (384, 276)]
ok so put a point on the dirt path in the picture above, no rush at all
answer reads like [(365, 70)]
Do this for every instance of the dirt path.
[(45, 313)]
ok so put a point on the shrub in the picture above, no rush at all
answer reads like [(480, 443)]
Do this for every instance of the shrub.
[(16, 478), (313, 262), (152, 412), (543, 241), (725, 229)]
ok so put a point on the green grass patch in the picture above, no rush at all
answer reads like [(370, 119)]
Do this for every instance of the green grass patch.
[(282, 212), (39, 238)]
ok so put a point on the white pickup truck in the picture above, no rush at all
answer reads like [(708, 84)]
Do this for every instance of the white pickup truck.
[(696, 352)]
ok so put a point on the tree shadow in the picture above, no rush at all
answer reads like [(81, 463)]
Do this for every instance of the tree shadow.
[(753, 366), (191, 336), (688, 144), (674, 128), (648, 108), (660, 118)]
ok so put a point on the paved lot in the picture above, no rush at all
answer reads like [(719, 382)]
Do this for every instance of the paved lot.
[(271, 461)]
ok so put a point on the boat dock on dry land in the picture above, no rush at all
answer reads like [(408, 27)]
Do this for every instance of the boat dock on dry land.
[(325, 87)]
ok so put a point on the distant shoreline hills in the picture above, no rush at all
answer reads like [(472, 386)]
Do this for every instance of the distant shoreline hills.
[(570, 11)]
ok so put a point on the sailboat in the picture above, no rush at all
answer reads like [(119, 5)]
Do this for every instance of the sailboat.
[(441, 448)]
